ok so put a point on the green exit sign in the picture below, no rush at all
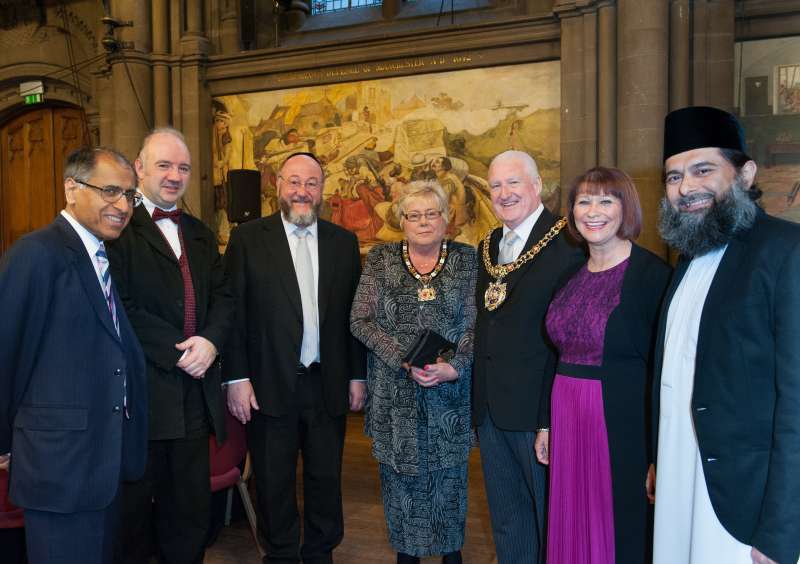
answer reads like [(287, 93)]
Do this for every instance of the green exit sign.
[(33, 99)]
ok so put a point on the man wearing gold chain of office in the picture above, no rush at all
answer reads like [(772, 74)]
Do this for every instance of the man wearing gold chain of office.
[(522, 262)]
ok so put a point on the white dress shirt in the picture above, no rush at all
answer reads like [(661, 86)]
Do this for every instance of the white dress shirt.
[(312, 240), (523, 231), (168, 227), (91, 243), (313, 247)]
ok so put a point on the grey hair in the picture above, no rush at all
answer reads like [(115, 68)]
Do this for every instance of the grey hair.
[(81, 163), (161, 131), (421, 189), (523, 158)]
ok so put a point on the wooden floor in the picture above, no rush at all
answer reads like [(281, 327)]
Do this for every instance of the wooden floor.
[(365, 540)]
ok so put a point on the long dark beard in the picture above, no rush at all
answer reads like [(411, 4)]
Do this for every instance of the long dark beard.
[(695, 234), (299, 219)]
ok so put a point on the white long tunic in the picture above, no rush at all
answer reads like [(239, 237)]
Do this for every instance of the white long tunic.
[(687, 530)]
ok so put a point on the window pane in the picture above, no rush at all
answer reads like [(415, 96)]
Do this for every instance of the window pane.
[(323, 6)]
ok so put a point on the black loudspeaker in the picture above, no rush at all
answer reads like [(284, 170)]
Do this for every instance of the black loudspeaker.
[(244, 195), (756, 101)]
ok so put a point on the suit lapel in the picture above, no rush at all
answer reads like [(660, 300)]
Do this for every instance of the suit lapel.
[(194, 242), (149, 231), (327, 267), (277, 245), (88, 277), (543, 224), (720, 285), (494, 244), (677, 276)]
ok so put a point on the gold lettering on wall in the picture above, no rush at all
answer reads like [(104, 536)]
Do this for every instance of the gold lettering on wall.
[(365, 69)]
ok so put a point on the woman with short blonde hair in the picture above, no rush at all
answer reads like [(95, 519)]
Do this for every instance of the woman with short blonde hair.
[(419, 416)]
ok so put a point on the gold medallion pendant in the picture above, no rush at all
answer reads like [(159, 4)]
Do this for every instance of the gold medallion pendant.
[(495, 295), (427, 293), (497, 292)]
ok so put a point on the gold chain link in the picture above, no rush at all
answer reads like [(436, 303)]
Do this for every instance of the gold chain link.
[(500, 271)]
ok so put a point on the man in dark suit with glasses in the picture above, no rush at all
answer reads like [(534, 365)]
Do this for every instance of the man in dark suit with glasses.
[(73, 405)]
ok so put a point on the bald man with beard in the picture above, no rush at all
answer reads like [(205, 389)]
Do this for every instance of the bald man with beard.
[(727, 403)]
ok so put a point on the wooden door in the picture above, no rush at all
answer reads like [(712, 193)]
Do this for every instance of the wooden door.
[(34, 147)]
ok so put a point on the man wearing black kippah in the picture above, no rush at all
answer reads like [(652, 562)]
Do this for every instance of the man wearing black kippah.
[(727, 403), (292, 367)]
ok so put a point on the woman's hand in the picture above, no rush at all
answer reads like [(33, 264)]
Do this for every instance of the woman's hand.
[(541, 446), (433, 374)]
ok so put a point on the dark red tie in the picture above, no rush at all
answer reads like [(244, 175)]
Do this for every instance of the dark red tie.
[(189, 303)]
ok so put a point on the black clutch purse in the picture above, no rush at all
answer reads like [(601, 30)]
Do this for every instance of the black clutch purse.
[(429, 346)]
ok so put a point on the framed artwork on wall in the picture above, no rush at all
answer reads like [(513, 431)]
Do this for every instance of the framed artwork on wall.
[(787, 89), (767, 98), (375, 136)]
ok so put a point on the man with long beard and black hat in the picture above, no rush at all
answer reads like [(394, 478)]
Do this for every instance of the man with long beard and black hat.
[(728, 353)]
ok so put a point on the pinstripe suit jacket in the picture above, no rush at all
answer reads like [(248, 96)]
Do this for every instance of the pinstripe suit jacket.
[(62, 367)]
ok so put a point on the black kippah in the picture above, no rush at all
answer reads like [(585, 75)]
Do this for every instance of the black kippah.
[(699, 127)]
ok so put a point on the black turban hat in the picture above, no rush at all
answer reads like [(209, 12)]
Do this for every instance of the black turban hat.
[(698, 127)]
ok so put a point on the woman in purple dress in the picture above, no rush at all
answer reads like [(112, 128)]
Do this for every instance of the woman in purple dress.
[(594, 435)]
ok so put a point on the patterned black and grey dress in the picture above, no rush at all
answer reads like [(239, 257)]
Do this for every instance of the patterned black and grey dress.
[(420, 436)]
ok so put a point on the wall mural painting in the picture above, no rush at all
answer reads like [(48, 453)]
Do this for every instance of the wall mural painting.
[(376, 136), (767, 96)]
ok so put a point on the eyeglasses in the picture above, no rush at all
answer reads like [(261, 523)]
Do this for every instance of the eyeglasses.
[(430, 215), (295, 183), (112, 194)]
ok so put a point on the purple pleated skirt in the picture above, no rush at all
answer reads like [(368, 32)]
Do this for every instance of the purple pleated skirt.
[(581, 511)]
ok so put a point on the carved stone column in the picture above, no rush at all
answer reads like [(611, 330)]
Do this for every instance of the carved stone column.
[(160, 58), (105, 106), (679, 54), (131, 78), (642, 94), (578, 91), (194, 17), (607, 85), (713, 41), (229, 27), (195, 117)]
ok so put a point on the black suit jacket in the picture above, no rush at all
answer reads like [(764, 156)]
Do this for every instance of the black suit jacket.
[(149, 281), (265, 344), (512, 352), (746, 398), (62, 368)]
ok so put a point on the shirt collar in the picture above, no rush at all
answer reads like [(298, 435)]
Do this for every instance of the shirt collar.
[(523, 230), (150, 206), (290, 228), (90, 241)]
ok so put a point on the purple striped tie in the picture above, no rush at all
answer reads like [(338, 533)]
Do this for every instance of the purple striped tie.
[(102, 263)]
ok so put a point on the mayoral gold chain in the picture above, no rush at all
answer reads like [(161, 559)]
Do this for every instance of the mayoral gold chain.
[(497, 291), (427, 292)]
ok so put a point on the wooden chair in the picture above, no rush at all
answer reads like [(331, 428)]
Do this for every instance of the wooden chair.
[(225, 473)]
